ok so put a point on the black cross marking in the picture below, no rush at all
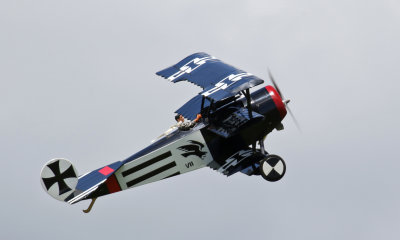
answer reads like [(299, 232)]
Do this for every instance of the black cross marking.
[(59, 177)]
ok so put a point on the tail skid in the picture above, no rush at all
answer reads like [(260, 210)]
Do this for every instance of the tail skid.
[(90, 206)]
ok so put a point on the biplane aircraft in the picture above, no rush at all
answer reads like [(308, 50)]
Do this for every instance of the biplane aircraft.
[(234, 121)]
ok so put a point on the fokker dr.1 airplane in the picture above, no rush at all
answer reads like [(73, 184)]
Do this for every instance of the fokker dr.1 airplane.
[(225, 138)]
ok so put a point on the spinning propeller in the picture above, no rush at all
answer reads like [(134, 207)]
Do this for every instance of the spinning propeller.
[(285, 101)]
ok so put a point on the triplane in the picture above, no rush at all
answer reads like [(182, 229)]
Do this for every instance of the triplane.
[(232, 122)]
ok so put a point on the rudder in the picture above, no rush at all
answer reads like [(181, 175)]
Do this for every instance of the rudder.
[(59, 178)]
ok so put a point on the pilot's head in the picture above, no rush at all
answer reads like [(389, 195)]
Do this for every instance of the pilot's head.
[(179, 118)]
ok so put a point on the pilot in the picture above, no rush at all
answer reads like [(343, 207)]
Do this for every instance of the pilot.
[(184, 126)]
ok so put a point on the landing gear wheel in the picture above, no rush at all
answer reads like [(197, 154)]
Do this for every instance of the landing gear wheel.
[(272, 168)]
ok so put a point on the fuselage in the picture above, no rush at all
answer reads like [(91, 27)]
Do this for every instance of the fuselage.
[(185, 151)]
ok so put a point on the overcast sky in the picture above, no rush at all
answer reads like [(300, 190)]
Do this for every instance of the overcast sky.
[(78, 81)]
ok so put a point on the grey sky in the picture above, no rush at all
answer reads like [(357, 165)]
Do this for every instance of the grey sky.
[(78, 81)]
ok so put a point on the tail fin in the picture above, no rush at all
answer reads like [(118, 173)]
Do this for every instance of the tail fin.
[(59, 178)]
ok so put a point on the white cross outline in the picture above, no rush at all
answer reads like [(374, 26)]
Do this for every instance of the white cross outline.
[(223, 85), (233, 161), (186, 69)]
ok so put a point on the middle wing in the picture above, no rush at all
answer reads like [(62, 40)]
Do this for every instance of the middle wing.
[(218, 80)]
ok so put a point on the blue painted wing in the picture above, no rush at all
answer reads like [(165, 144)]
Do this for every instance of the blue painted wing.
[(190, 109), (218, 80)]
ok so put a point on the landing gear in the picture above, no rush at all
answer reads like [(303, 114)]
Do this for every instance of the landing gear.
[(272, 168)]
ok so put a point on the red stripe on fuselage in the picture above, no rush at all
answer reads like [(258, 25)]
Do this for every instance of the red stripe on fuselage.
[(277, 100), (112, 184)]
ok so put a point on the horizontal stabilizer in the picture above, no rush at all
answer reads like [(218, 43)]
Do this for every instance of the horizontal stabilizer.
[(90, 182)]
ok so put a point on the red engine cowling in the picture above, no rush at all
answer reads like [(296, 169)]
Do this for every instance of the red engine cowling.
[(267, 102)]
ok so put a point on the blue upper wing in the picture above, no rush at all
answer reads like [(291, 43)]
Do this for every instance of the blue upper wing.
[(218, 80)]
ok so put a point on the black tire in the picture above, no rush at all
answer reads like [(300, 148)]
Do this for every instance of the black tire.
[(272, 168)]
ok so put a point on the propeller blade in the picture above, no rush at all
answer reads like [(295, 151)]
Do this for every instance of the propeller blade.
[(275, 85), (294, 119), (285, 101)]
